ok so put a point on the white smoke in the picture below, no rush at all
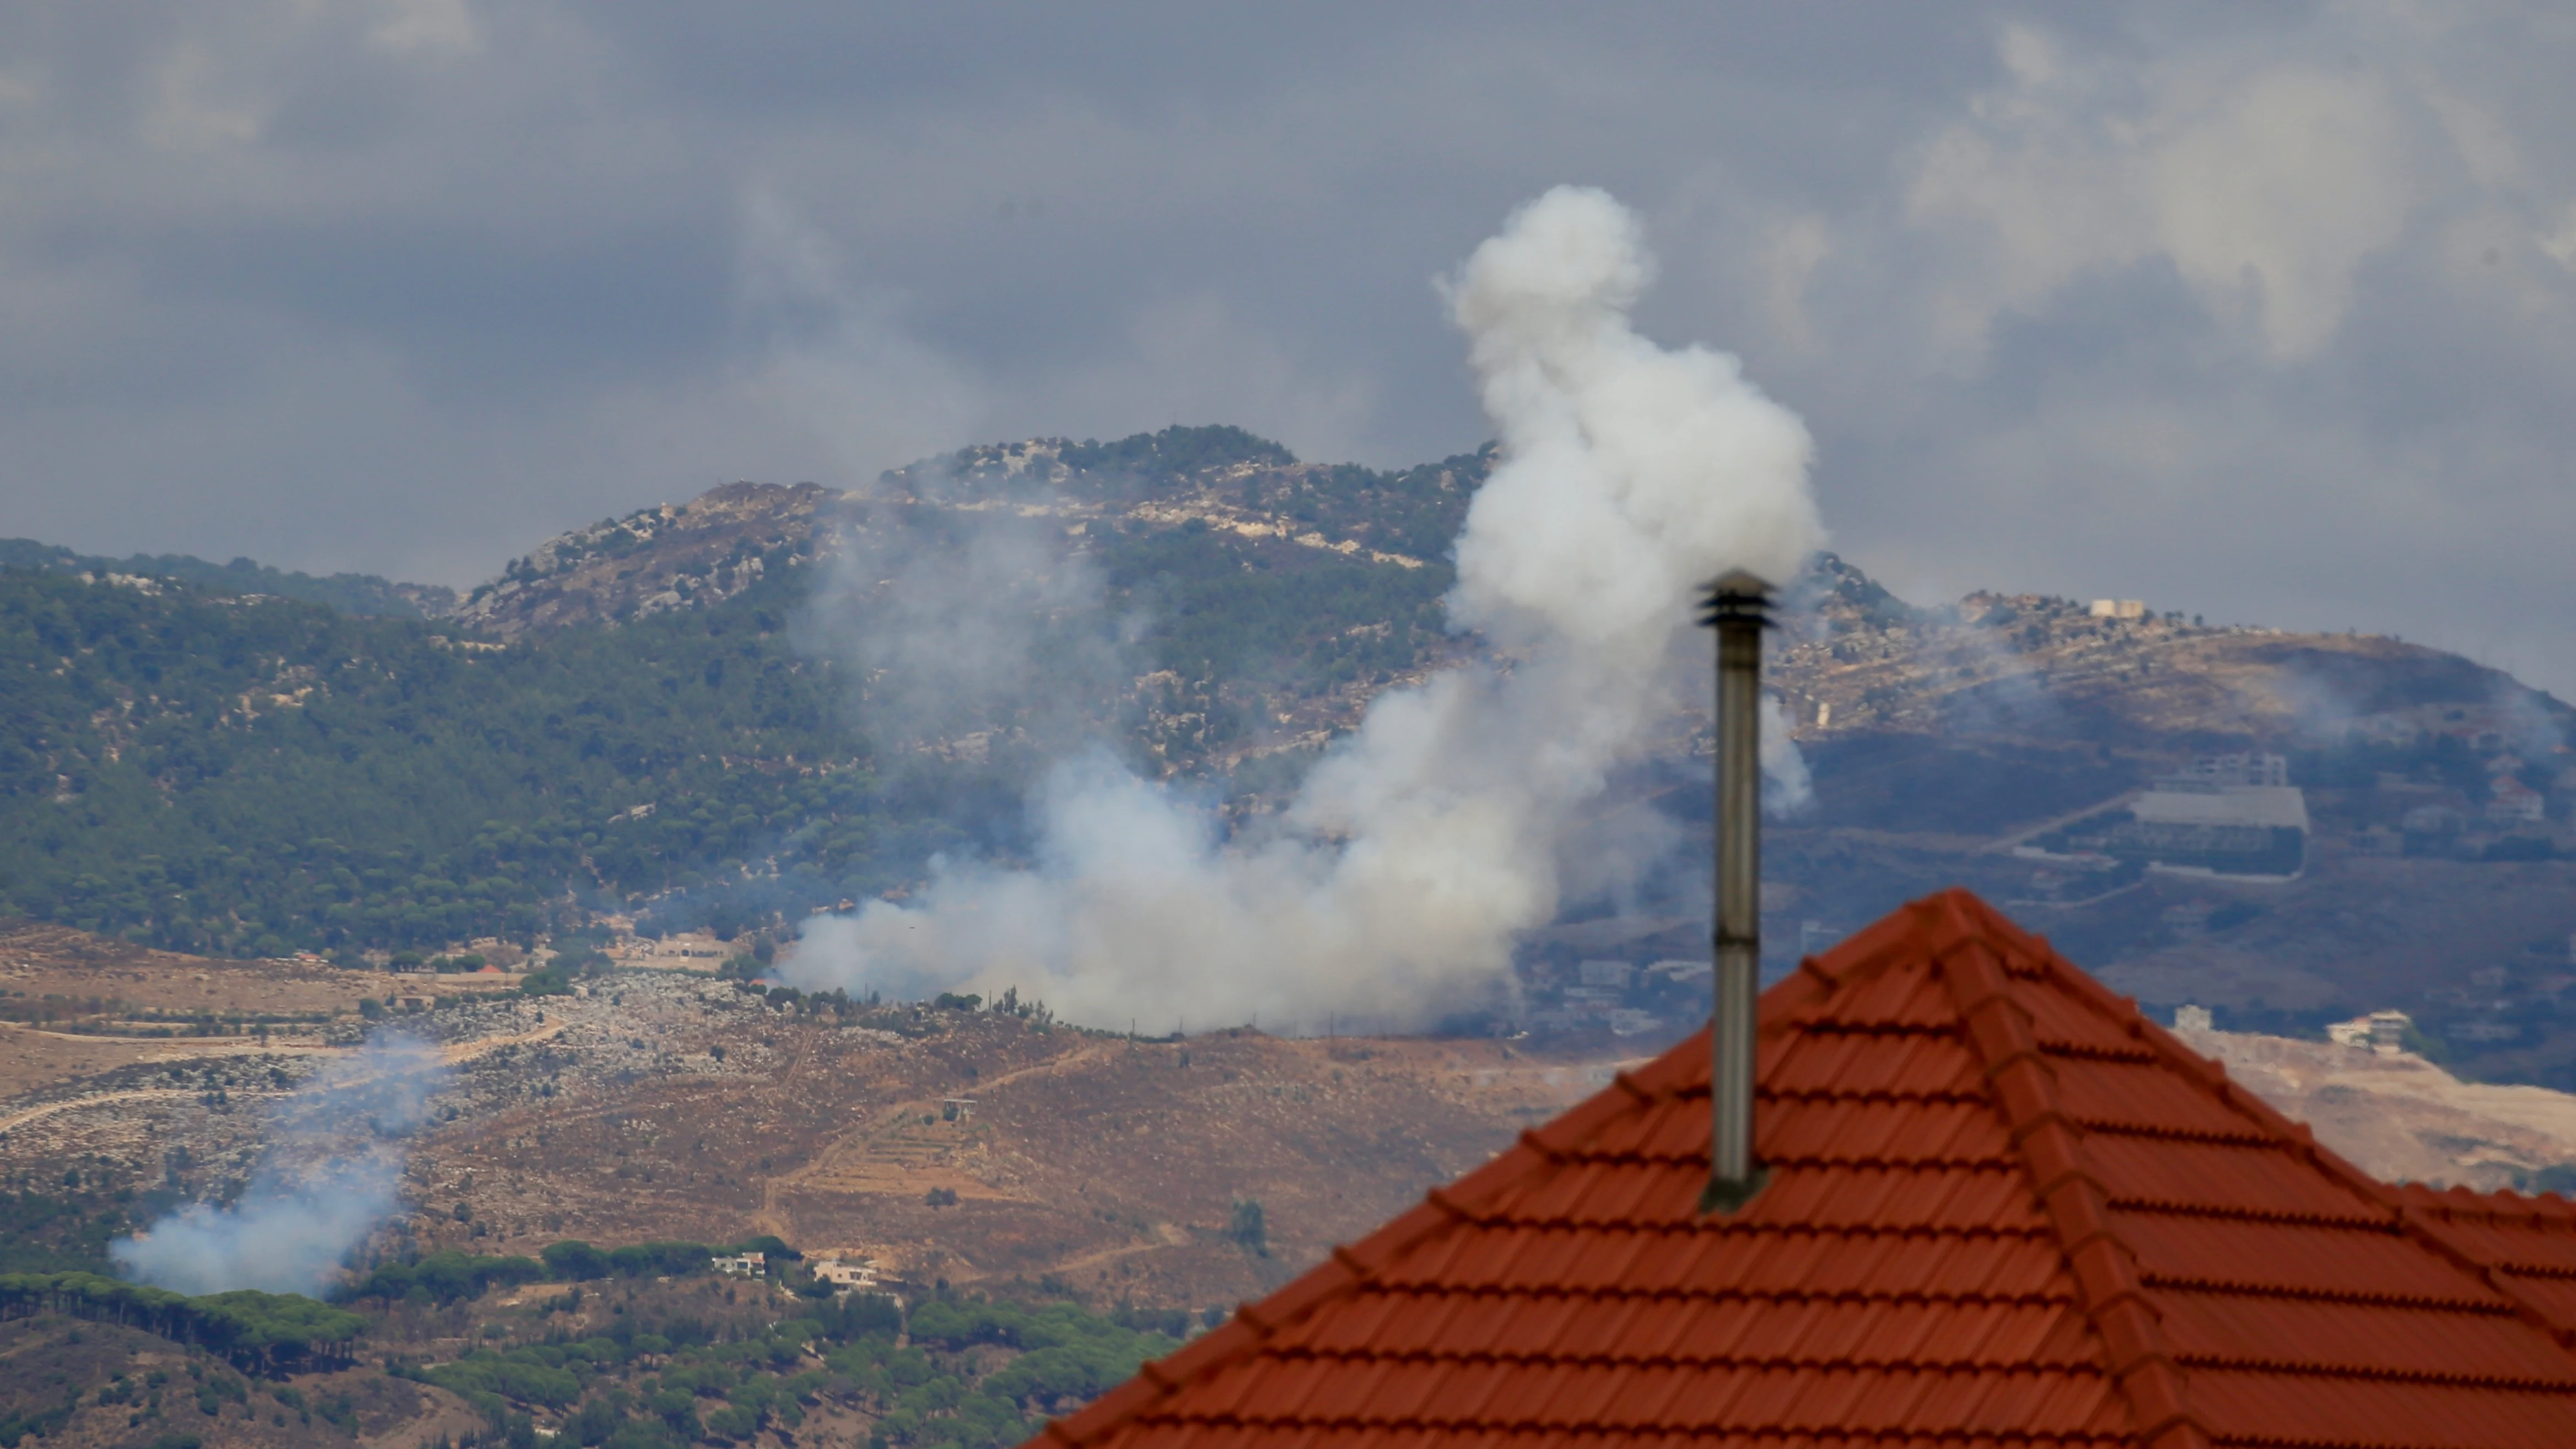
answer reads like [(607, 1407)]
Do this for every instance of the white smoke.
[(1392, 887), (961, 621), (1787, 789), (326, 1177)]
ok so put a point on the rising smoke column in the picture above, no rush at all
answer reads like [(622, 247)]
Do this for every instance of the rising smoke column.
[(1392, 887), (325, 1179)]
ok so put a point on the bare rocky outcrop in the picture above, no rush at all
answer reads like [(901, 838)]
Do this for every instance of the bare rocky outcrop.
[(673, 556), (2399, 1117)]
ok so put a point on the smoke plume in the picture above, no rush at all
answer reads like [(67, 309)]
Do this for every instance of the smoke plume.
[(959, 620), (1787, 788), (1390, 890), (325, 1178)]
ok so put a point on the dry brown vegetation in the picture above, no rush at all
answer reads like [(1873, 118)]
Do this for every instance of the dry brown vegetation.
[(663, 1104), (1106, 1164), (151, 1385), (76, 1007), (2400, 1117)]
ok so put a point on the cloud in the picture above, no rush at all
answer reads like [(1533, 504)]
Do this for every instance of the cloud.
[(2266, 186), (2210, 300)]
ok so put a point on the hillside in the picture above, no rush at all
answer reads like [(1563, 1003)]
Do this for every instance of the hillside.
[(255, 776), (1044, 1200), (737, 709), (1048, 1204), (2039, 667), (653, 715), (233, 824), (363, 594)]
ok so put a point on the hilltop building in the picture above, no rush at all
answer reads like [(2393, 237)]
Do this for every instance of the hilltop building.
[(2383, 1031), (2216, 772), (2119, 609), (2002, 1209)]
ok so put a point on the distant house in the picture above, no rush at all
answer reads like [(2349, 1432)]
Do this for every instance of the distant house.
[(741, 1265), (2512, 802), (2382, 1030), (2118, 609), (1615, 974), (2433, 821), (847, 1277), (2003, 1211)]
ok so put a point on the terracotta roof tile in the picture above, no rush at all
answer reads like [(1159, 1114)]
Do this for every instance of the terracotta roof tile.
[(2145, 1097), (2554, 1297), (1867, 1064), (2370, 1262), (2005, 1210), (2207, 1178)]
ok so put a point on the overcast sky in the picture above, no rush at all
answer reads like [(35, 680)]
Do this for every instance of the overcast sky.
[(2256, 312)]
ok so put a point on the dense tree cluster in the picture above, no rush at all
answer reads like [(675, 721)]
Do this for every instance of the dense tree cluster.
[(349, 593), (259, 1332), (670, 1381)]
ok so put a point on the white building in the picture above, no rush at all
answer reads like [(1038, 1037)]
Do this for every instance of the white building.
[(741, 1265), (2251, 768), (2383, 1031), (1606, 973), (1591, 998), (2515, 803), (2260, 806), (2119, 609), (847, 1277)]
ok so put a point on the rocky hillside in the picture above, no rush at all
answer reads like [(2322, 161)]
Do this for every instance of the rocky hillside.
[(674, 556), (769, 699), (713, 547), (2032, 665)]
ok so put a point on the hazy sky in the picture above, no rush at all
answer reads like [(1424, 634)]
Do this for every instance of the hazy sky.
[(2257, 312)]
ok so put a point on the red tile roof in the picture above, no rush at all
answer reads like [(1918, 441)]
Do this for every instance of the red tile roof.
[(2005, 1209)]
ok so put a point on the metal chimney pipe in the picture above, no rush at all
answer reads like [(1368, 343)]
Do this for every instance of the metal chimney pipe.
[(1739, 609)]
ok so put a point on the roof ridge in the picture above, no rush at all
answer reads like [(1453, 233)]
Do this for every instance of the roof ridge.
[(1963, 945), (2419, 1214)]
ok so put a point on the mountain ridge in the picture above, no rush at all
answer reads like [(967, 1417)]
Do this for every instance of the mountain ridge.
[(366, 595), (689, 716)]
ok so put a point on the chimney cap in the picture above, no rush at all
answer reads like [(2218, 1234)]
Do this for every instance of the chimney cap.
[(1736, 595)]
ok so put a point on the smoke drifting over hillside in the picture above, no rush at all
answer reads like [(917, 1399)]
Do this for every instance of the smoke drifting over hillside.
[(325, 1180), (1391, 889)]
